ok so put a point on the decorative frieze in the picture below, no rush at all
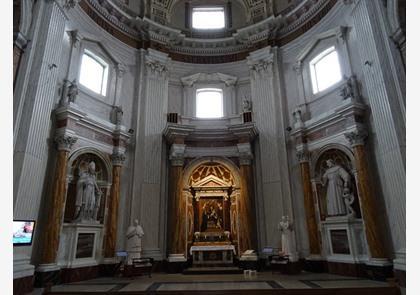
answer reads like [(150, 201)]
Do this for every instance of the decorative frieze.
[(65, 142), (356, 137)]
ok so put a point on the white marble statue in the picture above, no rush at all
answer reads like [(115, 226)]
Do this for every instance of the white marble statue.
[(134, 234), (88, 196), (285, 226), (338, 181), (246, 105)]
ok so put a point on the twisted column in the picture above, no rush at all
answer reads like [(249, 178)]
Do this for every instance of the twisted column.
[(112, 217), (51, 234), (311, 223)]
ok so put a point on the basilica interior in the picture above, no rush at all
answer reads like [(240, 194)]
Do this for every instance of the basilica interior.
[(229, 141)]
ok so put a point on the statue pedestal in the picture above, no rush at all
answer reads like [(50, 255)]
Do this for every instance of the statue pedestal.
[(80, 245), (344, 240)]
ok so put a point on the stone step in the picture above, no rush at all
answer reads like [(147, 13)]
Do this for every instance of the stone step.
[(212, 270)]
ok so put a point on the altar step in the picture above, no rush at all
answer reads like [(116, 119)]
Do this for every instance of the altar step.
[(216, 270)]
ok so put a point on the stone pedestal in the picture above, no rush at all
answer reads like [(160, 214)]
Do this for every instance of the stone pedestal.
[(344, 239), (80, 245)]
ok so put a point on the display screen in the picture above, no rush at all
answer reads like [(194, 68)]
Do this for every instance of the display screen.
[(23, 231)]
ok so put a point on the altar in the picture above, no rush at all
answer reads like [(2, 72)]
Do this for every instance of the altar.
[(212, 254)]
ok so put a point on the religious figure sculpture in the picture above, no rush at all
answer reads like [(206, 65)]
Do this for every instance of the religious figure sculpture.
[(118, 115), (134, 234), (285, 226), (247, 105), (73, 91), (338, 181), (88, 196)]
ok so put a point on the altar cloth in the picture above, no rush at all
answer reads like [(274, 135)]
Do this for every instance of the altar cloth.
[(213, 248)]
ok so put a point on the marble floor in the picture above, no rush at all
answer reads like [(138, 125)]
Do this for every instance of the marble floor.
[(179, 282)]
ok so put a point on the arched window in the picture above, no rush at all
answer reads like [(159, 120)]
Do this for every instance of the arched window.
[(209, 103), (325, 70), (94, 73)]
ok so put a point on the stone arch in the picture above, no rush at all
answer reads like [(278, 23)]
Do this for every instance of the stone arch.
[(200, 161), (342, 156), (78, 159)]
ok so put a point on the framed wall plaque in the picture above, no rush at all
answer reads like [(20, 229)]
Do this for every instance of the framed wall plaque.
[(339, 241), (85, 243)]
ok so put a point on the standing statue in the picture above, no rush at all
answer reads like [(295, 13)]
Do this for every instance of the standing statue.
[(118, 115), (134, 234), (338, 188), (285, 226), (246, 105), (88, 196), (73, 91)]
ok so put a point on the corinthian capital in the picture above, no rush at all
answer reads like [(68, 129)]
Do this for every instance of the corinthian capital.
[(118, 159), (302, 156), (261, 61), (356, 138), (176, 154), (65, 142)]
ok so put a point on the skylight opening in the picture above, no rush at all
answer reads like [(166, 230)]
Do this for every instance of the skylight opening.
[(209, 103), (325, 70), (208, 18)]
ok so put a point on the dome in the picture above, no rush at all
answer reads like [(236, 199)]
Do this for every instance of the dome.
[(167, 25)]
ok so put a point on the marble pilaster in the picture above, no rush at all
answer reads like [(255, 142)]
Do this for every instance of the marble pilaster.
[(384, 84), (372, 221), (246, 202), (310, 211), (176, 202), (112, 217), (51, 233)]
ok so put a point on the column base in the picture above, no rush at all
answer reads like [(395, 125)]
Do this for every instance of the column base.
[(176, 263), (315, 263), (23, 285), (47, 274), (378, 269)]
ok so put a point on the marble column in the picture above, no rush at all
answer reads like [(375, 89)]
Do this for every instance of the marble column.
[(51, 233), (371, 218), (311, 222), (246, 208), (112, 216), (176, 204)]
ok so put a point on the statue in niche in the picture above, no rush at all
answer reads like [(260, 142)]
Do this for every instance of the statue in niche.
[(338, 182), (350, 89), (118, 115), (69, 92), (88, 195), (73, 91), (246, 105), (134, 235), (285, 227)]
